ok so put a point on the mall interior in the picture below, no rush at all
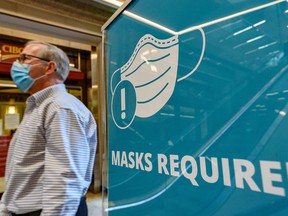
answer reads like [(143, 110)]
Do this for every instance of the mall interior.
[(74, 26)]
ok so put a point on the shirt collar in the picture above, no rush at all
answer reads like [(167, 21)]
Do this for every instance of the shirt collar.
[(40, 96)]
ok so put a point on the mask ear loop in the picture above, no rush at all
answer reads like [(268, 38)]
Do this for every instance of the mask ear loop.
[(40, 77), (50, 63), (200, 59)]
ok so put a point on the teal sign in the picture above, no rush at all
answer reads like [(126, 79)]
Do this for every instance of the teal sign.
[(197, 108)]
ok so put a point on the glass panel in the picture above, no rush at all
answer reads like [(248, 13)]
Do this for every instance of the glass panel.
[(197, 108)]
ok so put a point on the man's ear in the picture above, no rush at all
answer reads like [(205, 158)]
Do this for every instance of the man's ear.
[(50, 67)]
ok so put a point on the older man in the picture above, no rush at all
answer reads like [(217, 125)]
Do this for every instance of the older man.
[(51, 156)]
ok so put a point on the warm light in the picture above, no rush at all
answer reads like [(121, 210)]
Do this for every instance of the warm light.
[(114, 2), (11, 110), (94, 56), (146, 53), (7, 85), (149, 22), (145, 59), (154, 68)]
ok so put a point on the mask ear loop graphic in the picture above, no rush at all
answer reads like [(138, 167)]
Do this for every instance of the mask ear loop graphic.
[(200, 59), (111, 81)]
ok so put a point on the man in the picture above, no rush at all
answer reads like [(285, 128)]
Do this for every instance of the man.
[(51, 156)]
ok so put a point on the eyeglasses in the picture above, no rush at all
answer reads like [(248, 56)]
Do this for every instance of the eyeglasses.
[(23, 57)]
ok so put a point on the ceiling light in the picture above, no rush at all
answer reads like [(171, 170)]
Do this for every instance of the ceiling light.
[(111, 3), (249, 27), (267, 45), (259, 23), (114, 2), (254, 39), (243, 30)]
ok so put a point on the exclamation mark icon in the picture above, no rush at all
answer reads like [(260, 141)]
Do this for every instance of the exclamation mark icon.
[(123, 104)]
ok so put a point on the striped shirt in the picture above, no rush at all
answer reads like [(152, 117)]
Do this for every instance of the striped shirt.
[(51, 156)]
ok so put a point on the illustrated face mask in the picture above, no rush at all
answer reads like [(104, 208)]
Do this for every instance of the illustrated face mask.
[(143, 85), (20, 76)]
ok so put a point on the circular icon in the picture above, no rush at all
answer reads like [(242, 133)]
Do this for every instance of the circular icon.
[(123, 104)]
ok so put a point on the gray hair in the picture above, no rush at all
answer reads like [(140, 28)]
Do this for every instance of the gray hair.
[(55, 54)]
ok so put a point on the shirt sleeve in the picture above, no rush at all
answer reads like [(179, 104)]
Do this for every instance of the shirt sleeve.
[(69, 151)]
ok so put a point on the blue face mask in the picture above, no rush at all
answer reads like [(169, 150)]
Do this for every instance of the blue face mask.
[(20, 75)]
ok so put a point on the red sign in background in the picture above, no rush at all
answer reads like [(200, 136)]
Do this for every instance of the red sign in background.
[(9, 53), (4, 145)]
